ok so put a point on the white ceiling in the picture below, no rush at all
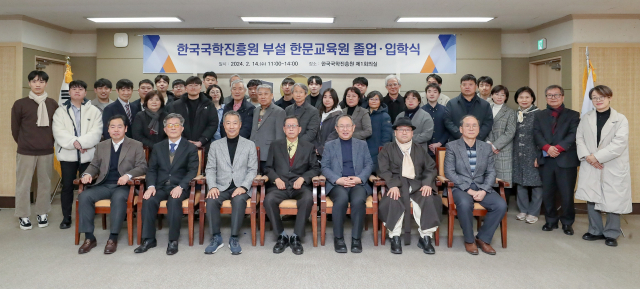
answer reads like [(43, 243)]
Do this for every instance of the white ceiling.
[(511, 14)]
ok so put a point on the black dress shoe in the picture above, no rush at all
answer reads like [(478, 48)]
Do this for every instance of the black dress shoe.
[(356, 245), (592, 237), (66, 223), (396, 245), (281, 244), (146, 245), (611, 242), (296, 245), (339, 245), (549, 227), (425, 245), (172, 248), (567, 229)]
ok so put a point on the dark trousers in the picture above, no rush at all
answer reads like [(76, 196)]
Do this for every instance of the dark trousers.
[(87, 203), (238, 207), (70, 171), (263, 164), (174, 212), (274, 197), (558, 180), (342, 197), (496, 208)]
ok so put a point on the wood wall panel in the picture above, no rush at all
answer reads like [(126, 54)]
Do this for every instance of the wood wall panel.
[(10, 71)]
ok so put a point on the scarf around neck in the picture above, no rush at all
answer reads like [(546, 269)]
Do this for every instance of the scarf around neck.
[(521, 112), (154, 124), (408, 171), (43, 114)]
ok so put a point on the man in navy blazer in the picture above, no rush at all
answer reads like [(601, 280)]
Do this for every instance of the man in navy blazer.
[(347, 165), (121, 107)]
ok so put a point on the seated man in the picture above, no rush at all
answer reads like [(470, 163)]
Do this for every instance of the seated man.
[(291, 165), (172, 165), (410, 175), (347, 164), (115, 162), (469, 164), (231, 167)]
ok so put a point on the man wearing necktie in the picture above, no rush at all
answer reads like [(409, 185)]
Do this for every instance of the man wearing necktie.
[(122, 106)]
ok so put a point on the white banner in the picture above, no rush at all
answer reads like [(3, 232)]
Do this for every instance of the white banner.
[(300, 53)]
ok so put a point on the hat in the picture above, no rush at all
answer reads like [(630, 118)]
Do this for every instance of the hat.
[(403, 121)]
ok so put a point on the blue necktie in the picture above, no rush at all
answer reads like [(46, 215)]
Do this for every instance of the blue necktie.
[(173, 148)]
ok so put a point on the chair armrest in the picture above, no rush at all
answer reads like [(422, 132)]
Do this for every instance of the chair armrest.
[(258, 181), (380, 183), (197, 180), (501, 182), (319, 181), (501, 185), (136, 181), (373, 178)]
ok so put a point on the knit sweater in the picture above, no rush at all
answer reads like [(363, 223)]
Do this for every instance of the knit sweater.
[(32, 140)]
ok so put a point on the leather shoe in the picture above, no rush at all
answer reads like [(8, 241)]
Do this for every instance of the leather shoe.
[(281, 244), (485, 247), (471, 248), (339, 245), (172, 248), (296, 245), (567, 229), (611, 242), (425, 245), (87, 246), (396, 245), (356, 245), (549, 227), (66, 223), (146, 245), (111, 247), (592, 237)]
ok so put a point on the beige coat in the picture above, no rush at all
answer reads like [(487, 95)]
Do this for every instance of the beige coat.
[(609, 188)]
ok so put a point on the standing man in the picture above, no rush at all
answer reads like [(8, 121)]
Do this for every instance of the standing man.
[(468, 103), (162, 84), (117, 160), (554, 133), (209, 78), (411, 177), (179, 88), (268, 120), (347, 165), (232, 79), (362, 84), (172, 165), (308, 116), (315, 84), (231, 167), (144, 86), (121, 107), (31, 119), (485, 83), (102, 88), (287, 89), (77, 129), (241, 105), (434, 78), (291, 165), (438, 113), (252, 87), (393, 99)]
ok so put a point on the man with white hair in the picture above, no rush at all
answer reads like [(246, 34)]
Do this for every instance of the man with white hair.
[(233, 78), (240, 104), (393, 99)]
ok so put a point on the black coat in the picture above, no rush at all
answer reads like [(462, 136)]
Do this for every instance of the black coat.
[(457, 109), (116, 108), (246, 116), (565, 136), (327, 131), (309, 120), (394, 107), (305, 163), (142, 133), (206, 122), (179, 172)]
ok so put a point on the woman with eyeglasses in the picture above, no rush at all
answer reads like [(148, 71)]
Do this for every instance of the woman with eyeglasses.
[(360, 116), (502, 133), (380, 124), (419, 118), (215, 93), (147, 126)]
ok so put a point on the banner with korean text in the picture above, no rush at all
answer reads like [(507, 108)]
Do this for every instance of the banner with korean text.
[(300, 53)]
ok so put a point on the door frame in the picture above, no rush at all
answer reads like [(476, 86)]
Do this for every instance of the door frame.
[(533, 72)]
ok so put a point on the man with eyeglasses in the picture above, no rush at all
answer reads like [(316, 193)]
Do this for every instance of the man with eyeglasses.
[(347, 165), (554, 133), (291, 165)]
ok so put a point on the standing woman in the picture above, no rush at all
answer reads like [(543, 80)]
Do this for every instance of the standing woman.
[(147, 126), (329, 113), (419, 118), (605, 179), (502, 133), (525, 166), (380, 124), (215, 92), (359, 114)]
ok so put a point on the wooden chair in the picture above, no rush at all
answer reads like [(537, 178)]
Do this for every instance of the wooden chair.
[(326, 207), (252, 203), (478, 210), (187, 204), (290, 207)]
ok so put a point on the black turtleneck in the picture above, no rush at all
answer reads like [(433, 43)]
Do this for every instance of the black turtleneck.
[(350, 110), (232, 143), (314, 99), (602, 118), (411, 112), (193, 107)]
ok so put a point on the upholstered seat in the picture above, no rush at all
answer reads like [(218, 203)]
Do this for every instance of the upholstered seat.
[(476, 206), (107, 203)]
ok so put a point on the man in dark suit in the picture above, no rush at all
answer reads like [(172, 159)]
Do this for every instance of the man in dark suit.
[(116, 161), (122, 106), (173, 164), (468, 103), (308, 117), (411, 177), (554, 133), (347, 165), (469, 164), (199, 113), (291, 165), (268, 120), (241, 105)]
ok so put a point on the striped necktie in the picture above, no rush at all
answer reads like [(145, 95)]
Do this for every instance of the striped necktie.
[(128, 110)]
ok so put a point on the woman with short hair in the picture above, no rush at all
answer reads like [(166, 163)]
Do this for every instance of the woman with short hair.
[(380, 124), (502, 133), (419, 118), (359, 115), (147, 125)]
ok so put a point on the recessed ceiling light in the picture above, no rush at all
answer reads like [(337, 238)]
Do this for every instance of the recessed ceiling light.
[(289, 19), (445, 19), (134, 19)]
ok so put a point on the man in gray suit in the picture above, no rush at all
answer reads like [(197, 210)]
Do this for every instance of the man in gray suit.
[(308, 115), (116, 161), (268, 120), (469, 164), (231, 167), (347, 165)]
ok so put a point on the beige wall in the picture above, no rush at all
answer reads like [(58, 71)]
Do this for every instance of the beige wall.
[(566, 74), (515, 74), (10, 71)]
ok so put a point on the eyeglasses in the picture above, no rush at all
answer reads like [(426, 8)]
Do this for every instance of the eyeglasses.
[(343, 127), (404, 130), (599, 98), (291, 126), (216, 92), (393, 85), (174, 125), (554, 96)]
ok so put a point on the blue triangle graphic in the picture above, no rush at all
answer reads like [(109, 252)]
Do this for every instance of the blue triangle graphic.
[(435, 70), (151, 41), (444, 39), (162, 69)]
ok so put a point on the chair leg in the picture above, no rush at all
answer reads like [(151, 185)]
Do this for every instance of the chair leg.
[(437, 236), (253, 227), (323, 227), (314, 225), (77, 225), (383, 233), (262, 225), (450, 229), (366, 223), (104, 221), (375, 229), (201, 221), (190, 218), (130, 226), (503, 228)]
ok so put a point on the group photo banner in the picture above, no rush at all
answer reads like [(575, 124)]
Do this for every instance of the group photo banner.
[(300, 53)]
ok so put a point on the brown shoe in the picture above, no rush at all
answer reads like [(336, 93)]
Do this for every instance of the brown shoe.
[(111, 247), (485, 247), (87, 246), (471, 248)]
